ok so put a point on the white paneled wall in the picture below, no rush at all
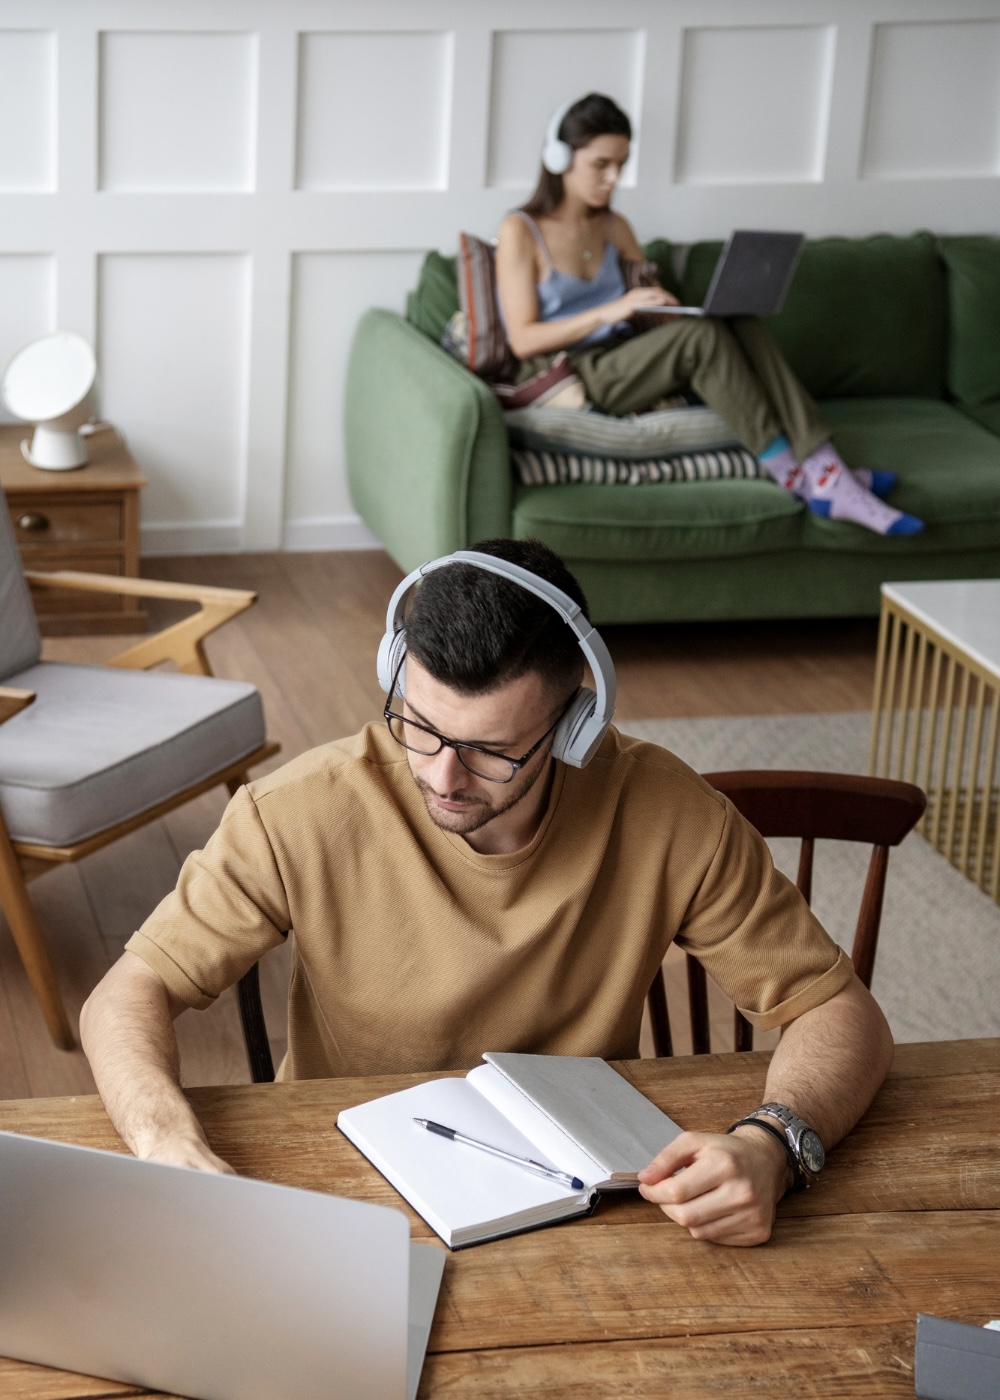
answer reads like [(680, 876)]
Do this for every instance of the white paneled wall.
[(213, 191), (172, 338), (746, 137)]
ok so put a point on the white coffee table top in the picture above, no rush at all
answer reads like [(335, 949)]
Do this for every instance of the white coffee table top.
[(965, 611)]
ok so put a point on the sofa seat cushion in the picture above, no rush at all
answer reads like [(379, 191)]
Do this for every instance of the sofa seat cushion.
[(987, 415), (100, 745), (949, 475), (664, 520), (948, 466)]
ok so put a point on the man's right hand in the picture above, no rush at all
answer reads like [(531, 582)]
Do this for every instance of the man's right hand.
[(127, 1031), (184, 1151)]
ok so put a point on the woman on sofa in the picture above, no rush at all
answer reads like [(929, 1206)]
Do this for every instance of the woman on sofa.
[(562, 287)]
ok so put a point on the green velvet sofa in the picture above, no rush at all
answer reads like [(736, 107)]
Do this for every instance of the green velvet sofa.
[(899, 340)]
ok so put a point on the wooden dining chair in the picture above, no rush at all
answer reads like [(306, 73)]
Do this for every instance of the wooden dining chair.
[(90, 753), (810, 806)]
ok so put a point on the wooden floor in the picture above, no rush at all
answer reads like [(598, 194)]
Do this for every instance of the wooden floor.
[(309, 645)]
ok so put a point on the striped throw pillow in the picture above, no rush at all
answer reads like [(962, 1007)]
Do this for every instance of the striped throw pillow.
[(487, 351), (554, 468)]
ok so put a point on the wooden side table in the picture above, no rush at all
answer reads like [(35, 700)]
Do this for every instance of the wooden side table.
[(936, 714), (84, 519)]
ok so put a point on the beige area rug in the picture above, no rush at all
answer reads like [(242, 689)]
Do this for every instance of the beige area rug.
[(937, 973)]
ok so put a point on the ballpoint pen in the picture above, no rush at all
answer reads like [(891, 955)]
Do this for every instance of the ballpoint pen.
[(526, 1162)]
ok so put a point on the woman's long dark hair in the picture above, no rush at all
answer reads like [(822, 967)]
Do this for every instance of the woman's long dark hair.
[(594, 115)]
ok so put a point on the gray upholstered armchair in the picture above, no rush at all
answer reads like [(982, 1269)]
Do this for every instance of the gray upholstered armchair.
[(89, 753)]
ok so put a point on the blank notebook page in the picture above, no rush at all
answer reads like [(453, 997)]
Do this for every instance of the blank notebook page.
[(547, 1136), (459, 1186)]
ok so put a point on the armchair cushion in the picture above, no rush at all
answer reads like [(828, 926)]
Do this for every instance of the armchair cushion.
[(101, 745), (20, 644)]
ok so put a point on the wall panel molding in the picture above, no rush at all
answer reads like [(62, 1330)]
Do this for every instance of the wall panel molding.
[(214, 192)]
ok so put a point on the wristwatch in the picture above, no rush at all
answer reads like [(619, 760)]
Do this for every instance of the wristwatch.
[(806, 1155)]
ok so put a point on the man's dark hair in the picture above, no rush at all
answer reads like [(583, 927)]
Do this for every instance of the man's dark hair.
[(475, 631), (592, 116)]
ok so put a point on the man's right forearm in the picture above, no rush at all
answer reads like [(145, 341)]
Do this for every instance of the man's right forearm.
[(127, 1031)]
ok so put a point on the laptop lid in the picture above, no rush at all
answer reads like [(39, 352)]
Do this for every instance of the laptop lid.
[(215, 1287), (753, 274)]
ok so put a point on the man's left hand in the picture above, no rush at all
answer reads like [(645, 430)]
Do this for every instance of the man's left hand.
[(722, 1187)]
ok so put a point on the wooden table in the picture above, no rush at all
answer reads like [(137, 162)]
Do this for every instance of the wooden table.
[(84, 519), (906, 1218), (936, 714)]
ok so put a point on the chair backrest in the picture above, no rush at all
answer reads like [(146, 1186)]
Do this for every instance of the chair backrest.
[(811, 806), (254, 1027), (20, 644)]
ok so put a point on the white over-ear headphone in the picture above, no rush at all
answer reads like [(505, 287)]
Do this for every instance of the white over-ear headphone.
[(585, 723), (557, 156)]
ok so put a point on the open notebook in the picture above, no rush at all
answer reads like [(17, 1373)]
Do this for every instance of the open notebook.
[(572, 1113)]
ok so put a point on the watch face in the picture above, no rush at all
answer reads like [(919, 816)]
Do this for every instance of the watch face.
[(812, 1153)]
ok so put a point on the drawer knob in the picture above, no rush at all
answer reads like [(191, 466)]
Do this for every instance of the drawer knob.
[(33, 520)]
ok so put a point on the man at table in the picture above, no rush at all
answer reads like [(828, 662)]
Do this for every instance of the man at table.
[(454, 888)]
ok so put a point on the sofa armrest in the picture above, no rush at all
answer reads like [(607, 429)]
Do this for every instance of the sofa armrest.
[(425, 442)]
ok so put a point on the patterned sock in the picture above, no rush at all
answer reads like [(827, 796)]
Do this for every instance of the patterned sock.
[(833, 492), (779, 463), (878, 483)]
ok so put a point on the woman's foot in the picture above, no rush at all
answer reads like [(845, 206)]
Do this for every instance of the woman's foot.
[(878, 483), (832, 491), (777, 460)]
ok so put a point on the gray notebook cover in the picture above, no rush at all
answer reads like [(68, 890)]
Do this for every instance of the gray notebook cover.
[(604, 1115), (956, 1361)]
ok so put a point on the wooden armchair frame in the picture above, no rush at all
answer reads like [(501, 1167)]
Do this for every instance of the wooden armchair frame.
[(23, 861), (810, 806)]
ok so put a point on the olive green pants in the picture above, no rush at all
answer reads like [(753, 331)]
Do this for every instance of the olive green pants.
[(734, 366)]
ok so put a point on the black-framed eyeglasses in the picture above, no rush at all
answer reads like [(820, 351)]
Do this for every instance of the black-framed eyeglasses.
[(484, 763)]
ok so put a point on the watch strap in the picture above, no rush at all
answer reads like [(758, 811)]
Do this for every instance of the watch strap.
[(795, 1129), (778, 1136)]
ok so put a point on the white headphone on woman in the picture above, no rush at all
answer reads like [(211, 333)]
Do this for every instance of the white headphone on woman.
[(557, 156), (585, 723)]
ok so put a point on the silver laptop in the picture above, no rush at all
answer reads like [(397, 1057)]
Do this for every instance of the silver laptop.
[(751, 278), (214, 1287)]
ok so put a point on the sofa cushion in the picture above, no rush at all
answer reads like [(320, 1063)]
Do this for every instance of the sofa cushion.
[(100, 745), (987, 415), (660, 252), (948, 467), (973, 267), (21, 644), (643, 435), (949, 475), (863, 316), (486, 351), (669, 520), (434, 300), (554, 468)]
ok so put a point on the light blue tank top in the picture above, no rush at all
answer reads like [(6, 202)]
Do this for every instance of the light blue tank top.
[(561, 294)]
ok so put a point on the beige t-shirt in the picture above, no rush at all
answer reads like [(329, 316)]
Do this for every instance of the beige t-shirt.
[(414, 952)]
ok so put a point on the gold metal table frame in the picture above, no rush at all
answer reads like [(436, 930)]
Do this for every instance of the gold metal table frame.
[(936, 722)]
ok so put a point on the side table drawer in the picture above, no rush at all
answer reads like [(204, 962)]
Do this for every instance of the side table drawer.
[(45, 522), (56, 601)]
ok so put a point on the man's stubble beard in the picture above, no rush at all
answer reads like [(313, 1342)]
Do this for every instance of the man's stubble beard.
[(481, 810)]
